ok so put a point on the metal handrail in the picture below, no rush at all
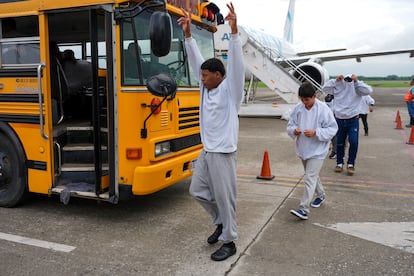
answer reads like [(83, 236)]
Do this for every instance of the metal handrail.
[(59, 154), (39, 90), (276, 57)]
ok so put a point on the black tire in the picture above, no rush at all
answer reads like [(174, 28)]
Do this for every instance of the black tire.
[(13, 173)]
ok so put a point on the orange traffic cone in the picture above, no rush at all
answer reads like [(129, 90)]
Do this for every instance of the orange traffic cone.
[(266, 174), (399, 124), (411, 140), (396, 116)]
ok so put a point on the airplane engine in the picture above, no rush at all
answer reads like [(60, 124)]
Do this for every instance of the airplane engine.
[(313, 70)]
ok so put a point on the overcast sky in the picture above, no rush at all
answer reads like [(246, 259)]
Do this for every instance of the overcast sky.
[(357, 25)]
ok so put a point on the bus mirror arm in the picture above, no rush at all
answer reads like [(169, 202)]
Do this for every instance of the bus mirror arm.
[(135, 9), (161, 85), (144, 132), (160, 27)]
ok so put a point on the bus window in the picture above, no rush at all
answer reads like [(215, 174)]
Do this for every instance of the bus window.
[(101, 53), (173, 64), (19, 41), (205, 43), (133, 61)]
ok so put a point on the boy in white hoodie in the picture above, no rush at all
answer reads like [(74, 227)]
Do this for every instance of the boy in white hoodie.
[(312, 125)]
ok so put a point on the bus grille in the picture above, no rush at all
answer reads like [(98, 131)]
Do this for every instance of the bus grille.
[(185, 142), (188, 117)]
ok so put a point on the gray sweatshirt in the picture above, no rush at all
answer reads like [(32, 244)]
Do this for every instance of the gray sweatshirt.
[(347, 97), (219, 107), (319, 118)]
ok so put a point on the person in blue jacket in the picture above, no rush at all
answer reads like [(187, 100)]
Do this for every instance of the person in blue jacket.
[(348, 92)]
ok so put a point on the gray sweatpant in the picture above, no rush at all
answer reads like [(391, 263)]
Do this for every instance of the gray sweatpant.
[(312, 182), (213, 185)]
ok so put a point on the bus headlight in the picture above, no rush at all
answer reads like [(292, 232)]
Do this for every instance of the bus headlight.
[(162, 148)]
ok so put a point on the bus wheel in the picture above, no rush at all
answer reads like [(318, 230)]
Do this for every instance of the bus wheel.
[(13, 177)]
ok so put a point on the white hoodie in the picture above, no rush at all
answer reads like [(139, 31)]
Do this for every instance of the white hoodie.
[(347, 96), (219, 107)]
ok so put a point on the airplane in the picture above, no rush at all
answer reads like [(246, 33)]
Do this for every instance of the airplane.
[(261, 49)]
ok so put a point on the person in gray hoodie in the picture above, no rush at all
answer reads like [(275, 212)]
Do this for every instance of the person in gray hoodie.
[(213, 183), (348, 92)]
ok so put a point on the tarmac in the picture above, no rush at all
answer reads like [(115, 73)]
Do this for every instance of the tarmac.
[(365, 226)]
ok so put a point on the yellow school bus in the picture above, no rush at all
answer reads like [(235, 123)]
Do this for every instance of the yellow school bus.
[(96, 97)]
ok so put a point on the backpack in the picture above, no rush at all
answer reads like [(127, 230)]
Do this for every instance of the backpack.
[(409, 95)]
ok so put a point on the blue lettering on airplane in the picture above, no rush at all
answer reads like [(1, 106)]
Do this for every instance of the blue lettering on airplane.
[(226, 36)]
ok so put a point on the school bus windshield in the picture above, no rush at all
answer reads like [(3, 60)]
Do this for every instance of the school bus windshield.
[(138, 63)]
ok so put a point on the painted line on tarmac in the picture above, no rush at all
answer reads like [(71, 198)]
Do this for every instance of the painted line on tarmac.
[(280, 181), (326, 180), (37, 243), (404, 190), (368, 185), (367, 182), (387, 189), (369, 191), (399, 235)]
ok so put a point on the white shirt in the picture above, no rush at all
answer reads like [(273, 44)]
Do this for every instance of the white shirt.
[(219, 107), (365, 103), (347, 96), (319, 118)]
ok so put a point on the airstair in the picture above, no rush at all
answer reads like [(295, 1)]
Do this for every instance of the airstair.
[(263, 63)]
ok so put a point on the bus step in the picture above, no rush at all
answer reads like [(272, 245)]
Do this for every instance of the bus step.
[(68, 167), (80, 172), (82, 153), (79, 191)]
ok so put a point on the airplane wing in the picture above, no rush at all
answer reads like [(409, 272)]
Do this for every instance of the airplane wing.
[(358, 56), (283, 50), (301, 54), (361, 55)]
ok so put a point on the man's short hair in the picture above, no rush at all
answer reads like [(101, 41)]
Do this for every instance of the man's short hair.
[(306, 90), (214, 65)]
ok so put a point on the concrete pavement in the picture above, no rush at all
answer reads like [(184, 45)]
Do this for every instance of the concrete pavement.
[(365, 227)]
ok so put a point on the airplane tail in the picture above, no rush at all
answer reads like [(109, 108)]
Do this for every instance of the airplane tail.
[(288, 31)]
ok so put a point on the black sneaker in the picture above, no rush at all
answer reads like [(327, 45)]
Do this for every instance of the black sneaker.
[(332, 155), (214, 237), (299, 213), (225, 251)]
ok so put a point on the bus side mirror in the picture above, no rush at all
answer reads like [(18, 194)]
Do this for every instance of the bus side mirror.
[(162, 85), (160, 31)]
